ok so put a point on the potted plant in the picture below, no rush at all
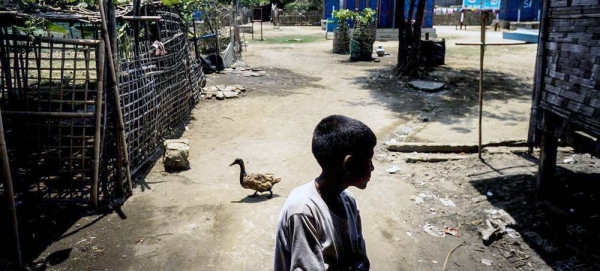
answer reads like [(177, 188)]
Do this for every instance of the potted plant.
[(363, 35), (341, 35)]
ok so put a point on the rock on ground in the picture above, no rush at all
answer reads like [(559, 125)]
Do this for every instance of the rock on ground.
[(176, 155)]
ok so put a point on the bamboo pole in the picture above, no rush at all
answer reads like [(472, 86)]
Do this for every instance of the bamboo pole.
[(50, 114), (8, 189), (490, 44), (99, 95), (538, 83), (113, 77), (481, 55), (140, 18)]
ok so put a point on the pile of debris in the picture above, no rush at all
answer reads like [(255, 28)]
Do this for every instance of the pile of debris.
[(223, 92), (248, 72)]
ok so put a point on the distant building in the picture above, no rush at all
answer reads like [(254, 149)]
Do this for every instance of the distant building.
[(520, 10), (384, 8)]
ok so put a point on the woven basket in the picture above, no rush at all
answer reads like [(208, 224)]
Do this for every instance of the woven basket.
[(341, 41), (361, 46)]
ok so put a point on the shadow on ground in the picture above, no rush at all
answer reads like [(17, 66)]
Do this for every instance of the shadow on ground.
[(43, 222), (458, 98), (562, 228)]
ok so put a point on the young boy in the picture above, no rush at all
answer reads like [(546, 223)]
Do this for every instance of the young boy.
[(319, 226)]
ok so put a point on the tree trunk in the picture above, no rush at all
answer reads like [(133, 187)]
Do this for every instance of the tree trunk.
[(409, 38)]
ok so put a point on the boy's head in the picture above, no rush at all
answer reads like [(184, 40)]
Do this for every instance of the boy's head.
[(344, 144)]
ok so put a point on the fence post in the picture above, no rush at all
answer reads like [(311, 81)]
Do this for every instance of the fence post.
[(8, 190)]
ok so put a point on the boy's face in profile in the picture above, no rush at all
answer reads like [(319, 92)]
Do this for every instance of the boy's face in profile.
[(359, 170)]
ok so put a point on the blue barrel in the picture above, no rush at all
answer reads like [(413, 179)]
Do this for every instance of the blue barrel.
[(331, 24)]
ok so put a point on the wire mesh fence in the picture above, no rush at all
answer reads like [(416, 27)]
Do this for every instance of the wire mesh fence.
[(58, 109)]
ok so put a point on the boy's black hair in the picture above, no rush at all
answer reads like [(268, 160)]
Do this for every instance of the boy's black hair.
[(337, 136)]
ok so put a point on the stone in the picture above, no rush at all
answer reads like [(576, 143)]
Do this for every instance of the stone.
[(176, 154), (230, 94), (220, 95), (428, 86)]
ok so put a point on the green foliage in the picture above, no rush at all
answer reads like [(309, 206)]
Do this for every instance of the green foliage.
[(52, 27), (366, 16), (304, 5), (253, 3), (35, 24), (343, 15)]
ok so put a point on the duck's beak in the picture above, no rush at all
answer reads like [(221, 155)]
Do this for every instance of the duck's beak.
[(233, 163)]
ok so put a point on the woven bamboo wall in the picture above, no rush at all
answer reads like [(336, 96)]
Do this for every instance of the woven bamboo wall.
[(61, 134), (570, 84)]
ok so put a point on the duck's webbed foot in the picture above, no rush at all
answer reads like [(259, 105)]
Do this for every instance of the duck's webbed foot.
[(270, 195), (254, 195)]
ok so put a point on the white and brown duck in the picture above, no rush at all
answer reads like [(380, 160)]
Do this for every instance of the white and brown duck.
[(258, 182)]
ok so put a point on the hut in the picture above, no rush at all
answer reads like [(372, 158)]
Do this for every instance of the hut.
[(566, 99)]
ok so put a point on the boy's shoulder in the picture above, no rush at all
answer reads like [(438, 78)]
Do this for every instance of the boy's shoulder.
[(303, 199)]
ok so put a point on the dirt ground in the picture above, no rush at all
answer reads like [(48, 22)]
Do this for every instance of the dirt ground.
[(201, 219)]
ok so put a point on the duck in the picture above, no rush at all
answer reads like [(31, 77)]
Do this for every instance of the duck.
[(258, 182)]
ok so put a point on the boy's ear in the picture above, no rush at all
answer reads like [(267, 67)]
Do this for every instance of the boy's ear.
[(348, 163)]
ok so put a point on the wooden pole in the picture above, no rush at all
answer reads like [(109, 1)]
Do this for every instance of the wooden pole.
[(547, 164), (481, 55), (538, 83), (8, 190), (98, 116), (113, 77)]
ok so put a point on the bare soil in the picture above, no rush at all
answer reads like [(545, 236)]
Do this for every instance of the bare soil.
[(201, 219)]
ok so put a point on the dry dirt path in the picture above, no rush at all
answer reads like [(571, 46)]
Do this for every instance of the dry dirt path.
[(201, 219), (211, 222)]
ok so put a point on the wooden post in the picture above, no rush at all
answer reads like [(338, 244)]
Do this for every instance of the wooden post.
[(481, 55), (8, 190), (136, 28), (98, 115), (547, 163), (120, 123), (538, 84), (195, 40)]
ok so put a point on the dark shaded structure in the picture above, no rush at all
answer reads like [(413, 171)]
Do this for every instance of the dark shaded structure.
[(566, 99)]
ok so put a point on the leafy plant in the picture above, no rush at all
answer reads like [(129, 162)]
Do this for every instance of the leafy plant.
[(343, 16), (366, 16)]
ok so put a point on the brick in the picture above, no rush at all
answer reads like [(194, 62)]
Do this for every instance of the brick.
[(555, 100), (552, 89), (585, 65), (572, 95), (561, 22), (562, 54), (565, 11), (595, 51), (558, 3), (590, 92), (591, 10), (563, 84), (580, 108), (579, 56), (582, 81), (585, 2), (551, 46), (556, 74), (595, 103), (572, 71), (568, 62), (586, 22), (567, 29)]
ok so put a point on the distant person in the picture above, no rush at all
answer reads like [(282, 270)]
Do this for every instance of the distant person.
[(319, 227)]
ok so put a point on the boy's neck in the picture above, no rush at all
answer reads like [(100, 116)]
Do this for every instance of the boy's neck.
[(329, 185)]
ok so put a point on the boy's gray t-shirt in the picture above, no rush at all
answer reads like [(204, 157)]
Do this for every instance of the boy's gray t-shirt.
[(310, 237)]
